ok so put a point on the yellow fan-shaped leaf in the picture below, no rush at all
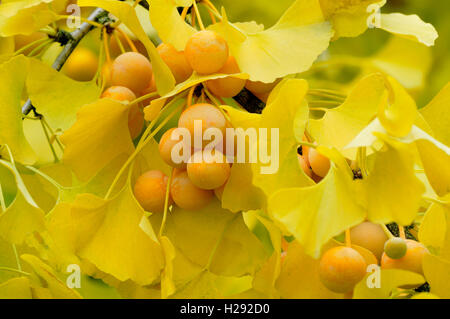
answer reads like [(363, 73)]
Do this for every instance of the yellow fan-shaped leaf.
[(56, 96), (433, 227), (167, 284), (389, 280), (16, 288), (126, 13), (409, 26), (350, 17), (392, 201), (437, 116), (215, 237), (12, 81), (27, 16), (169, 24), (7, 46), (47, 279), (98, 136), (317, 213), (341, 125), (437, 273), (407, 61), (290, 46), (399, 112)]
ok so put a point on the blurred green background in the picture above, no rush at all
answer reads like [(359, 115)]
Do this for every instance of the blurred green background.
[(436, 12)]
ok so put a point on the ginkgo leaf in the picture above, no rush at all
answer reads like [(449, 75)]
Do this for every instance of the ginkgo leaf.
[(409, 26), (167, 284), (388, 280), (349, 18), (407, 61), (398, 113), (16, 288), (437, 115), (99, 135), (299, 276), (114, 235), (216, 238), (169, 24), (433, 228), (125, 13), (47, 279), (317, 213), (392, 201), (342, 124), (7, 45), (12, 76), (290, 46), (282, 170), (207, 285), (56, 96), (28, 16), (23, 217), (437, 273)]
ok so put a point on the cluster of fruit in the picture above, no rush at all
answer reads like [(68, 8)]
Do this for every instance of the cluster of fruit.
[(341, 268), (198, 176)]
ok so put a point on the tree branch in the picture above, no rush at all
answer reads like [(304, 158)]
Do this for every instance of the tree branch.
[(74, 38)]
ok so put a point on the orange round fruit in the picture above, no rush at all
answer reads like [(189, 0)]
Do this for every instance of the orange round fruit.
[(81, 65), (206, 52), (188, 196), (341, 268), (411, 261), (208, 170), (150, 191), (227, 87), (319, 163), (370, 236), (132, 70), (176, 61)]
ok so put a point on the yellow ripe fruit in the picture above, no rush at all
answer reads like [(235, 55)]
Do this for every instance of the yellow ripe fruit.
[(176, 61), (132, 70), (135, 115), (81, 65), (166, 144), (304, 165), (208, 173), (411, 261), (186, 195), (341, 268), (206, 52), (119, 93), (370, 236), (319, 163), (227, 87), (149, 89), (208, 114), (150, 191), (257, 87)]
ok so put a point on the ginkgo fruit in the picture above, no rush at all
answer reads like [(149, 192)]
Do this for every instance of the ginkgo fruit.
[(304, 165), (207, 115), (257, 87), (341, 268), (227, 87), (370, 236), (206, 52), (151, 88), (150, 191), (188, 196), (132, 70), (176, 61), (167, 144), (135, 115), (208, 170), (411, 261), (119, 93), (395, 248), (81, 65), (319, 163)]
